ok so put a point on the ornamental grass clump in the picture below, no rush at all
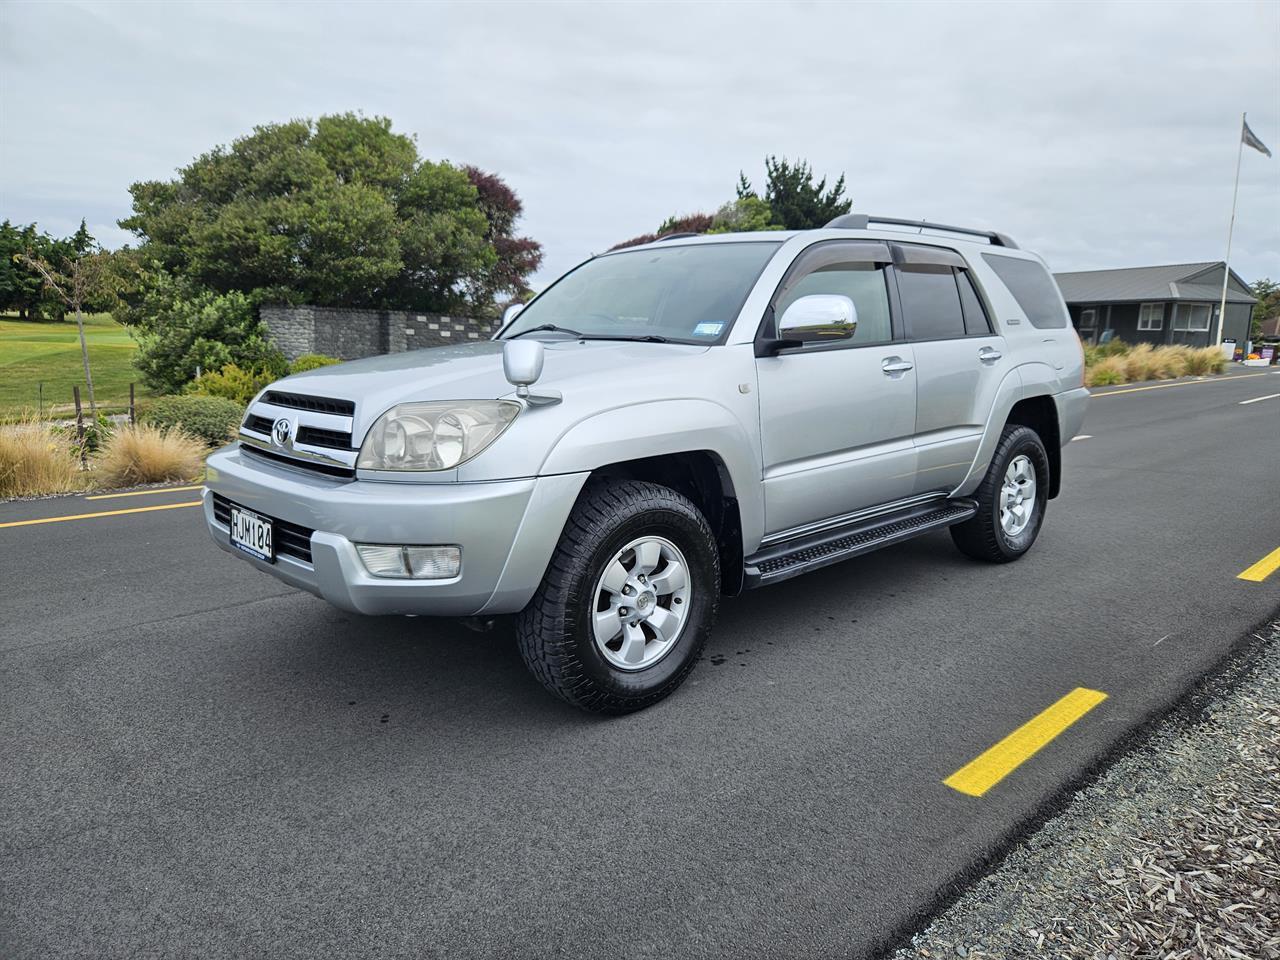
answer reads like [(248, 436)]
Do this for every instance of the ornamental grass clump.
[(37, 459), (1105, 373), (145, 453)]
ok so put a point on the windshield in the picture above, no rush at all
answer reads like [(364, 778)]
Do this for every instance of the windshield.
[(688, 293)]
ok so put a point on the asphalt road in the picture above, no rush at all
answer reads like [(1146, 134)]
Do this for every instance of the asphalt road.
[(197, 761)]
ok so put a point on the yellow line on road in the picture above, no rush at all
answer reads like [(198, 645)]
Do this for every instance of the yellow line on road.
[(142, 493), (1263, 568), (1183, 383), (989, 768), (104, 513)]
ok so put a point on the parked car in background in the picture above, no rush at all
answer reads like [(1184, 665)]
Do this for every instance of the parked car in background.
[(664, 426)]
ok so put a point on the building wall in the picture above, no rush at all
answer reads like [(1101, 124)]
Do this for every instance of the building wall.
[(349, 333), (1124, 323)]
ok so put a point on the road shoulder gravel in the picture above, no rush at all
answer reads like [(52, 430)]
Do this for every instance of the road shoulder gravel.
[(1173, 852)]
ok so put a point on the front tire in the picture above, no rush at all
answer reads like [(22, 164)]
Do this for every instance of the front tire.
[(627, 601), (1011, 500)]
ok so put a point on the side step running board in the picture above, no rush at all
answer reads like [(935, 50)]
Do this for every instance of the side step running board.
[(792, 558)]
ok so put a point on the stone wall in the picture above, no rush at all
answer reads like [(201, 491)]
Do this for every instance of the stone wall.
[(349, 333)]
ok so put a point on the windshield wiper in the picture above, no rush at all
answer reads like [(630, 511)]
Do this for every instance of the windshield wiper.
[(548, 328), (635, 338)]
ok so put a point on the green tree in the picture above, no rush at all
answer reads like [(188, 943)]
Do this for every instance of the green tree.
[(796, 201), (1268, 293), (340, 211), (22, 288), (744, 215), (183, 328)]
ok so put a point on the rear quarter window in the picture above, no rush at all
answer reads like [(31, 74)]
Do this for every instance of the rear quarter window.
[(1032, 288)]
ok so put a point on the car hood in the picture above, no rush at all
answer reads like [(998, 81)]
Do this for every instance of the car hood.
[(473, 371)]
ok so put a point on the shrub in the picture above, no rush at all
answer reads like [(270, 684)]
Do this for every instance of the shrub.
[(182, 327), (37, 459), (1211, 358), (1105, 373), (312, 361), (1168, 363), (232, 383), (149, 454), (1139, 364), (212, 419)]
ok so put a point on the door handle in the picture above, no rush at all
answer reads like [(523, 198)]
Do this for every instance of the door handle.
[(989, 355), (893, 365)]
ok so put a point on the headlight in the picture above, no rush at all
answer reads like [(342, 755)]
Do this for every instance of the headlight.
[(434, 436)]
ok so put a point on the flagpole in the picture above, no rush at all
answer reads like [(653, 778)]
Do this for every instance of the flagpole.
[(1226, 265)]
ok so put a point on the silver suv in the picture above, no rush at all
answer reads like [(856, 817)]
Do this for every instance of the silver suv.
[(663, 426)]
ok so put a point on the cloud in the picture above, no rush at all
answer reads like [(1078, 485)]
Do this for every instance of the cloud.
[(1098, 135)]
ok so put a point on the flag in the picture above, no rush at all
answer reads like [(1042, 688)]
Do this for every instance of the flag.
[(1251, 139)]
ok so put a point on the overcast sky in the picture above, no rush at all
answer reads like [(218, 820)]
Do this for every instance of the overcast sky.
[(1100, 135)]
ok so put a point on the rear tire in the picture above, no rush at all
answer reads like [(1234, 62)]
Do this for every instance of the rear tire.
[(628, 599), (1011, 500)]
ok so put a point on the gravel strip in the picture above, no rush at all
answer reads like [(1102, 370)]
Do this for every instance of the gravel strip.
[(1173, 853)]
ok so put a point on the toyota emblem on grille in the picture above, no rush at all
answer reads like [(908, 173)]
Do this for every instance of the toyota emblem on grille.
[(281, 432)]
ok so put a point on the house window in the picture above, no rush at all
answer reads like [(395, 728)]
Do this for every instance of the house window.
[(1151, 316), (1193, 317)]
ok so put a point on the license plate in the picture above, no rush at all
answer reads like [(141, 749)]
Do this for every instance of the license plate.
[(252, 534)]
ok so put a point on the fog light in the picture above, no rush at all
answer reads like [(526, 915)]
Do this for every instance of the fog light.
[(433, 563), (405, 563)]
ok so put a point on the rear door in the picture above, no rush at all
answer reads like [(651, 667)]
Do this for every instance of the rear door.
[(837, 419), (960, 361)]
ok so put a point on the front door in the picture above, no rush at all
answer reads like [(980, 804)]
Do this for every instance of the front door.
[(837, 419)]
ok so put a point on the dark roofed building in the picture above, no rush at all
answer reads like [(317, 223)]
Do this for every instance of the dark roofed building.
[(1177, 303)]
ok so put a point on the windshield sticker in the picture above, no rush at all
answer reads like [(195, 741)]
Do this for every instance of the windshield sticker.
[(708, 329)]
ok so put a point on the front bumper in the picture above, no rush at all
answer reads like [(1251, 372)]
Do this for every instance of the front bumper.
[(507, 531)]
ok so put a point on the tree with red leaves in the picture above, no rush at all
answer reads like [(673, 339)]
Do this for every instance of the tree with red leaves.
[(518, 257)]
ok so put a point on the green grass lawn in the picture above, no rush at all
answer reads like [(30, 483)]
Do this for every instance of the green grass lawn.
[(31, 353)]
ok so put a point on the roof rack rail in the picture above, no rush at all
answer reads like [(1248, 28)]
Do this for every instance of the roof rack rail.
[(860, 221), (676, 236)]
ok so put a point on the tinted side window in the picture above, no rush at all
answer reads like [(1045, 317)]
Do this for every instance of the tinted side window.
[(975, 317), (863, 283), (930, 301), (1033, 288)]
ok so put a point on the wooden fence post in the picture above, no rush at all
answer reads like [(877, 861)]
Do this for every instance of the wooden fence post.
[(131, 421), (75, 391)]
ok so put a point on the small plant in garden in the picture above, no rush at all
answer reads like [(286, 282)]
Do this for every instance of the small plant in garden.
[(212, 419), (144, 453), (232, 382), (37, 459), (312, 361)]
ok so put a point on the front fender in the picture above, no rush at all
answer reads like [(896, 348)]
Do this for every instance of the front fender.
[(661, 428)]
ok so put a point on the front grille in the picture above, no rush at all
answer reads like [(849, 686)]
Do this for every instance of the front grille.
[(297, 401), (291, 539), (309, 465), (309, 436), (320, 437), (258, 424)]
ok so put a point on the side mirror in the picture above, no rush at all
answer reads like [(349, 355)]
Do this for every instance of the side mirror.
[(522, 361), (818, 317), (510, 313), (522, 364)]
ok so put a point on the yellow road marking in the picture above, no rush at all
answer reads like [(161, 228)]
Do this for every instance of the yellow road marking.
[(1184, 383), (104, 513), (1263, 568), (142, 493), (986, 770)]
